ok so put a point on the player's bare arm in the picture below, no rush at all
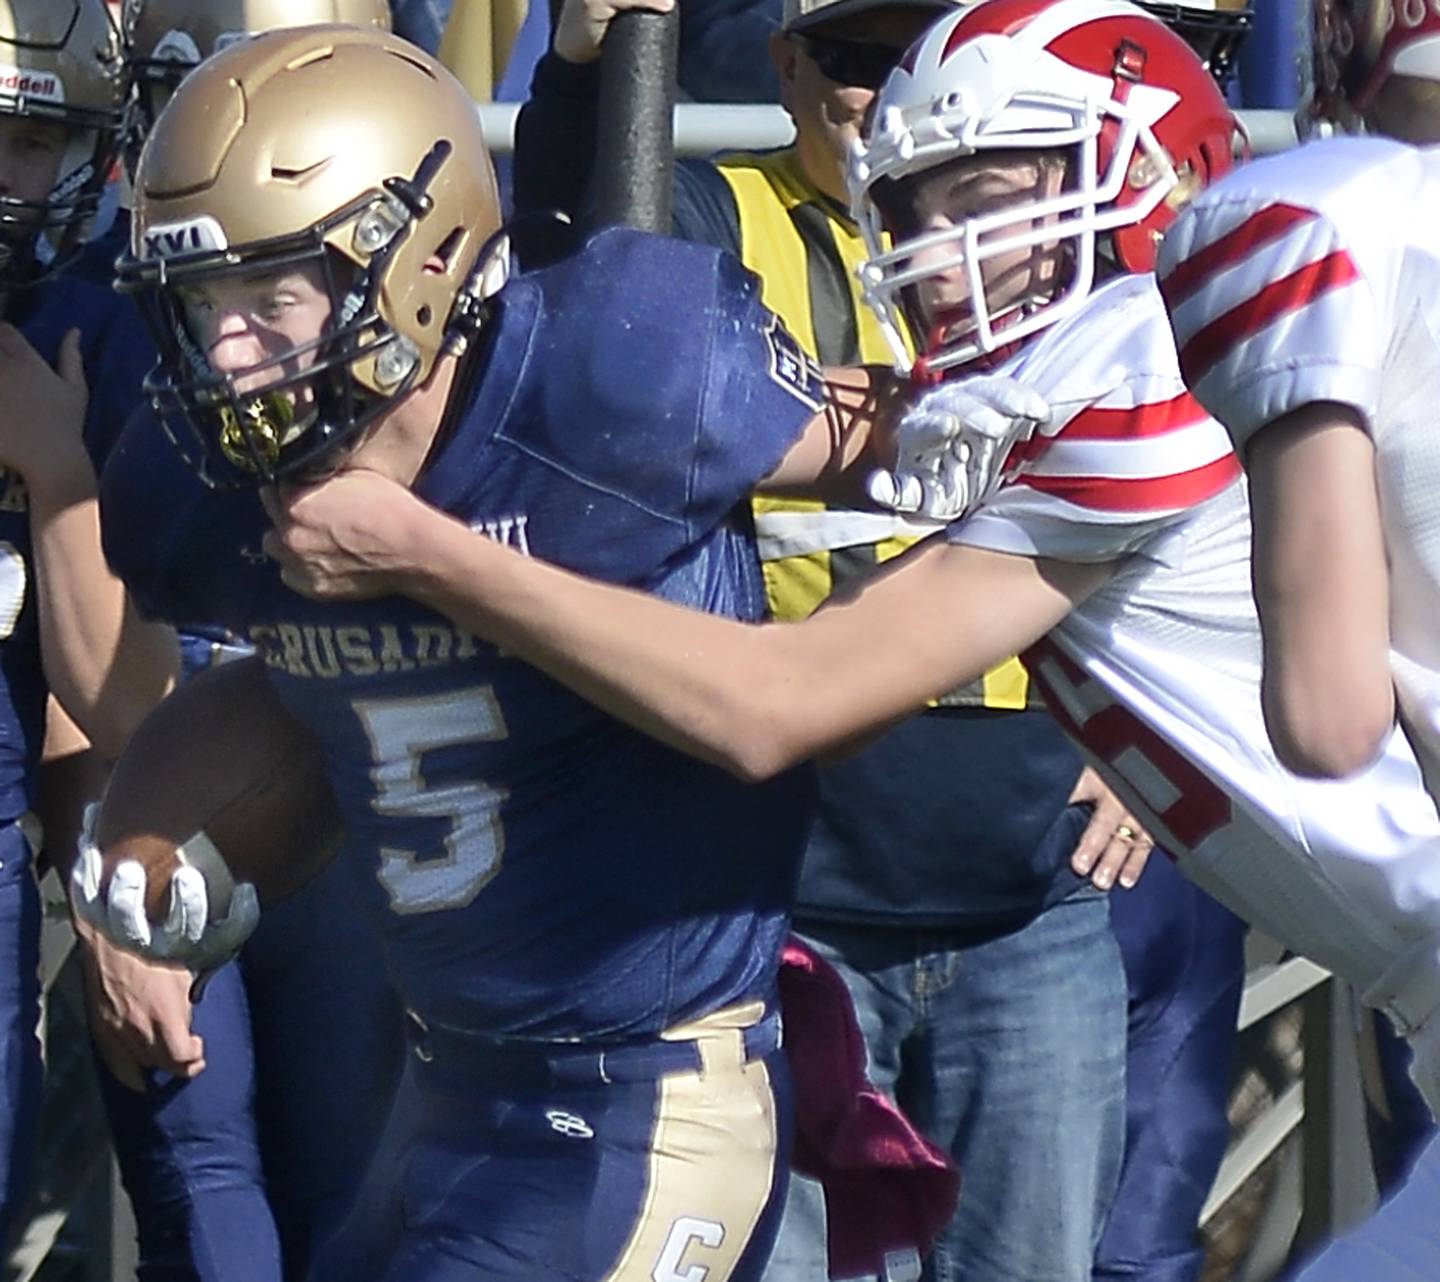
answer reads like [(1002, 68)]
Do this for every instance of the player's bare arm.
[(1322, 587), (90, 635), (851, 435), (753, 699)]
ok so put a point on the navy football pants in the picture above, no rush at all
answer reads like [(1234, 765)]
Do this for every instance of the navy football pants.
[(499, 1173)]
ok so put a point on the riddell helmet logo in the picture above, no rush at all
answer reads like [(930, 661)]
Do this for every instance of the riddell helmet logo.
[(16, 82)]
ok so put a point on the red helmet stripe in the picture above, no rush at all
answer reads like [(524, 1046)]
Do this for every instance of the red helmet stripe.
[(998, 17)]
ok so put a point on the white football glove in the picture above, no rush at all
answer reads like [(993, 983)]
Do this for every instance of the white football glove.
[(189, 934), (952, 444)]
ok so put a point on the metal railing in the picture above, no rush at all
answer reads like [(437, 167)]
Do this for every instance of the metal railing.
[(1326, 1184), (702, 128)]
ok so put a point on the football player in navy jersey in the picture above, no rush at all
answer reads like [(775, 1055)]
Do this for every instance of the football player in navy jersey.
[(584, 924), (71, 356), (237, 1172)]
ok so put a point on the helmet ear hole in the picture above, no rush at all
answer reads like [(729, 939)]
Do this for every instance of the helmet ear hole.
[(422, 317)]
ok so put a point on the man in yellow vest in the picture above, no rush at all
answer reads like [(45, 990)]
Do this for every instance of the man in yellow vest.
[(952, 877)]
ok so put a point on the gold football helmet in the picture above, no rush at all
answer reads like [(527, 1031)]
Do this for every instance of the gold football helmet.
[(60, 62), (339, 146), (166, 39)]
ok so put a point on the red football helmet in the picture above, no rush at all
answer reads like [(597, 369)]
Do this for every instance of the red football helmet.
[(1141, 121), (1359, 43)]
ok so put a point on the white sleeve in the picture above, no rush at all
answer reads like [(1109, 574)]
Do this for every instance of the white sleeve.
[(1271, 311)]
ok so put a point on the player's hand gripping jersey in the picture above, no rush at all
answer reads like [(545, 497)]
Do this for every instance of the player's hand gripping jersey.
[(1158, 674), (1315, 276), (536, 869)]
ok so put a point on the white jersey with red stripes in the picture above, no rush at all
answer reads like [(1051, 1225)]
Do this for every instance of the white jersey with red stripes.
[(1158, 674), (1315, 276)]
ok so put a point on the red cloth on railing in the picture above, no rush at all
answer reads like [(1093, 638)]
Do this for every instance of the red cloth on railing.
[(887, 1188)]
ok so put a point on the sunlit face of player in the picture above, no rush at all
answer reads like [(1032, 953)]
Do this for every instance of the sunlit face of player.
[(240, 322), (263, 328), (933, 208)]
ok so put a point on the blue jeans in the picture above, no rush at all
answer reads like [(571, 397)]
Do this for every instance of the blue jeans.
[(1009, 1052)]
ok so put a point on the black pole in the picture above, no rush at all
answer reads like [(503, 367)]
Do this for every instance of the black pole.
[(635, 154)]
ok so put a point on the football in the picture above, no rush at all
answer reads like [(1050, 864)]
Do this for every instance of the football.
[(221, 756)]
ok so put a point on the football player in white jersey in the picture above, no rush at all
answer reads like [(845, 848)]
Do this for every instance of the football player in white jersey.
[(1304, 297), (1306, 300), (1024, 159)]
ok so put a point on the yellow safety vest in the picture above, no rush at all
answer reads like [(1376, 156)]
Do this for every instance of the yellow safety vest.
[(806, 253)]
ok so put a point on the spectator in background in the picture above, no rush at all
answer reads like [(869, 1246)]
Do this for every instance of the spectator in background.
[(721, 56), (938, 879), (722, 50), (237, 1172)]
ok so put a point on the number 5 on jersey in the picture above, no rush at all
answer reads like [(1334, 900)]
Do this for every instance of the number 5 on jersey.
[(401, 732)]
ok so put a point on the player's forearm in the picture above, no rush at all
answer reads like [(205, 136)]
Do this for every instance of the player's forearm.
[(72, 774), (714, 688), (753, 699), (1322, 588), (845, 441), (105, 665)]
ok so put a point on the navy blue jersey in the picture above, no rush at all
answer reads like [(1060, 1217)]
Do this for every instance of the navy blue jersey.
[(535, 868), (116, 354)]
